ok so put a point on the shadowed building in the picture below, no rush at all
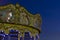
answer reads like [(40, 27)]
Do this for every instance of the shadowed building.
[(16, 23)]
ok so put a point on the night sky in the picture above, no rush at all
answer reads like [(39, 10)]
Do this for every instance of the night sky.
[(49, 11)]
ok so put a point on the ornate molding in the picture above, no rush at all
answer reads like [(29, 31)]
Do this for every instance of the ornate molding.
[(17, 14)]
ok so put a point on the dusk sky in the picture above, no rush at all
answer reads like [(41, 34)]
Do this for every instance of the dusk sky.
[(50, 13)]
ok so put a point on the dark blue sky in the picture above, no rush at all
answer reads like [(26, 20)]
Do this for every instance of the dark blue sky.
[(50, 13)]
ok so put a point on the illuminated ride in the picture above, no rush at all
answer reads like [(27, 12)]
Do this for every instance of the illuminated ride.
[(16, 23)]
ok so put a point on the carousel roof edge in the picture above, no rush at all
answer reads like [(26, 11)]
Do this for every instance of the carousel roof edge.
[(17, 6)]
